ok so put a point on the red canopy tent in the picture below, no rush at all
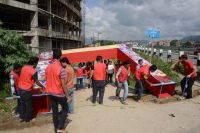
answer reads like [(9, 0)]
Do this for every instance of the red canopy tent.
[(163, 85)]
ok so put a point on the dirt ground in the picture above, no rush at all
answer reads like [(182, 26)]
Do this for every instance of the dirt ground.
[(113, 117)]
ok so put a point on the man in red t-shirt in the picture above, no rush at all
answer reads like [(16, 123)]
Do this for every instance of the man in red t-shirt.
[(99, 79), (142, 75), (28, 77), (190, 75)]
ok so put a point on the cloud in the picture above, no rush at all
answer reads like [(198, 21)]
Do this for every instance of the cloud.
[(128, 19)]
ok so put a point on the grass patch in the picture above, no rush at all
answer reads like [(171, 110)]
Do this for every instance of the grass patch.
[(163, 66), (6, 106)]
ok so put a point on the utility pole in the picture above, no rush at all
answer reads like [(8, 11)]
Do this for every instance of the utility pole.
[(93, 40), (99, 39)]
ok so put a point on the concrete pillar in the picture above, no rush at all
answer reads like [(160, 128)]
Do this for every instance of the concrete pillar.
[(149, 51), (34, 18), (169, 54), (142, 49), (35, 44), (161, 52), (181, 53), (198, 60), (146, 50), (154, 51), (34, 26), (50, 18)]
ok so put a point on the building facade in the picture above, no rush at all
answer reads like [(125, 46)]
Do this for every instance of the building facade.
[(44, 24)]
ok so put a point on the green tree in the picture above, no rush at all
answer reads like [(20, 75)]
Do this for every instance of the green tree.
[(173, 43), (12, 50), (187, 44)]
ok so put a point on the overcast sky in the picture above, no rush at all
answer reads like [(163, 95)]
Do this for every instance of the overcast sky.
[(128, 19)]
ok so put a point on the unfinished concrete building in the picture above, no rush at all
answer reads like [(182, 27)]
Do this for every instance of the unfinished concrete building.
[(44, 24)]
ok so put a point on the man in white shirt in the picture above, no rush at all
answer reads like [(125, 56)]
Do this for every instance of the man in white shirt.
[(110, 72)]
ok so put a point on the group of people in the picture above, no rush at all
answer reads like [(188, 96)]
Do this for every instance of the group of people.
[(60, 83), (59, 88)]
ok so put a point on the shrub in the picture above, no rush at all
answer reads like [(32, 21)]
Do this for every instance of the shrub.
[(12, 50)]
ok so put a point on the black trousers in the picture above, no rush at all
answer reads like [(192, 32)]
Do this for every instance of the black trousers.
[(26, 105), (188, 90), (79, 83), (98, 86), (59, 117), (110, 76), (139, 88), (18, 107)]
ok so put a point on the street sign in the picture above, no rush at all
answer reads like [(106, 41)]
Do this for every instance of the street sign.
[(152, 33)]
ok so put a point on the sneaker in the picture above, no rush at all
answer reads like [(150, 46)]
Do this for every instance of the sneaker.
[(124, 102), (16, 116)]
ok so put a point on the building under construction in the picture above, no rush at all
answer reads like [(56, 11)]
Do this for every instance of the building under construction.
[(44, 23)]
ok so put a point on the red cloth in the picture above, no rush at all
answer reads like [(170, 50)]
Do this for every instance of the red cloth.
[(144, 70), (53, 78), (99, 71), (189, 68), (79, 72), (124, 74), (25, 80)]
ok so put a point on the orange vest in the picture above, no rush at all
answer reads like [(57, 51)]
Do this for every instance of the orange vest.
[(124, 74), (25, 80), (79, 72), (16, 80), (99, 71), (53, 79), (139, 74)]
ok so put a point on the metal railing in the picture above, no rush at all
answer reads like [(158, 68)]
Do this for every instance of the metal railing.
[(168, 54)]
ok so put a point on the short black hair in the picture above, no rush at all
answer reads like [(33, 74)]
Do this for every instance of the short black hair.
[(99, 58), (153, 68), (126, 62), (57, 53), (65, 60), (184, 56), (33, 60), (80, 65), (16, 66), (140, 60)]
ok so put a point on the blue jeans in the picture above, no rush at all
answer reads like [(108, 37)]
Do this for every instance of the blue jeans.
[(71, 103), (123, 85), (84, 81)]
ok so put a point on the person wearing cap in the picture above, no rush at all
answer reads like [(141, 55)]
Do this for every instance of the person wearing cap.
[(57, 91), (14, 80), (190, 74), (142, 76), (99, 79), (28, 77), (121, 77)]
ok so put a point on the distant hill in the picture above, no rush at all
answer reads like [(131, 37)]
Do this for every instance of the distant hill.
[(191, 38)]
